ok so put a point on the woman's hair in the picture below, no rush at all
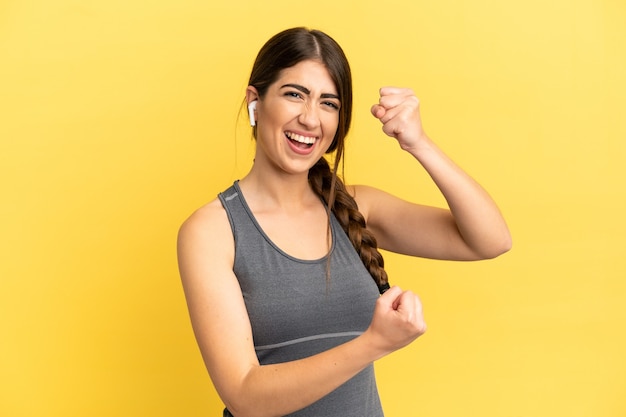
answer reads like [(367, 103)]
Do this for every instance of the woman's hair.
[(284, 50)]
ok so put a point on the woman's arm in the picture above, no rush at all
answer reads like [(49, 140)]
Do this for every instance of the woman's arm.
[(472, 228), (224, 335)]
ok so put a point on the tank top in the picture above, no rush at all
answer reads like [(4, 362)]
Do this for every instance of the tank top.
[(296, 312)]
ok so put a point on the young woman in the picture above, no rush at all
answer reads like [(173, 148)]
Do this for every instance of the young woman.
[(281, 272)]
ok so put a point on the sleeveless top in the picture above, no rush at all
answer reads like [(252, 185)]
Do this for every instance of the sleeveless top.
[(295, 312)]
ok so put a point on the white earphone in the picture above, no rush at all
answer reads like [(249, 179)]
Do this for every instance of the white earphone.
[(251, 109)]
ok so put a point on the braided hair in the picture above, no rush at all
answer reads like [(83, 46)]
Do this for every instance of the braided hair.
[(328, 186)]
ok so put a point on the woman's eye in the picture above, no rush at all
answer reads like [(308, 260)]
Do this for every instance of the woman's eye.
[(332, 105), (293, 94)]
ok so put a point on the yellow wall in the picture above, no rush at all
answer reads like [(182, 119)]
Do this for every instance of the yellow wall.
[(118, 118)]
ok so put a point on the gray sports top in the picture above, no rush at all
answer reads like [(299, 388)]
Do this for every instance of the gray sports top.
[(294, 314)]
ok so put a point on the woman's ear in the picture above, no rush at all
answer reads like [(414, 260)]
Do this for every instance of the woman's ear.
[(251, 94), (252, 98)]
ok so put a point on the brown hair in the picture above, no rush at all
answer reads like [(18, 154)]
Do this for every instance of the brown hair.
[(285, 50)]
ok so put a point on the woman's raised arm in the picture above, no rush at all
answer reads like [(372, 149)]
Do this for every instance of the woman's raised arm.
[(472, 228)]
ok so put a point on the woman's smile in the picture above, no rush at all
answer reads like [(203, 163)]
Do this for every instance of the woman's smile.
[(306, 140), (301, 144)]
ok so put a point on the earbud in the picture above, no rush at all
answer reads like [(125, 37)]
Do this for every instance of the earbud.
[(251, 109)]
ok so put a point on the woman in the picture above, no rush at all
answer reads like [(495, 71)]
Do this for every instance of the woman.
[(282, 273)]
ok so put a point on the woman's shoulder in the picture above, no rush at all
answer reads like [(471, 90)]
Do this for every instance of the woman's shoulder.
[(365, 196), (355, 189), (207, 222)]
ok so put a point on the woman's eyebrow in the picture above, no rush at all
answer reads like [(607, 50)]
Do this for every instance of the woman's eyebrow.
[(308, 92)]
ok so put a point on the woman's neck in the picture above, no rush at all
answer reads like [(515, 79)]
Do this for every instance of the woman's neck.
[(271, 191)]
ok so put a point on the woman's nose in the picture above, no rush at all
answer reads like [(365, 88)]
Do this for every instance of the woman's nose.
[(309, 115)]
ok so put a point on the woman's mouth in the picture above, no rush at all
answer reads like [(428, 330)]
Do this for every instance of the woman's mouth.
[(301, 141)]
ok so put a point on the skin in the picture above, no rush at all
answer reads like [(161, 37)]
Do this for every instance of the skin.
[(277, 191)]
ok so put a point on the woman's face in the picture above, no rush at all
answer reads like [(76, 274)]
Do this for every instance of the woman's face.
[(297, 118)]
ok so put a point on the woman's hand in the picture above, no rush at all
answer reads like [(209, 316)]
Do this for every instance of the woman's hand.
[(398, 111), (397, 321)]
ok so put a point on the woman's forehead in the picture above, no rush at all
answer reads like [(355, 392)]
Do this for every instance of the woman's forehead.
[(310, 74)]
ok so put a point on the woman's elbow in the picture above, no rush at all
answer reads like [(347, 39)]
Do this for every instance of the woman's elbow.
[(497, 247)]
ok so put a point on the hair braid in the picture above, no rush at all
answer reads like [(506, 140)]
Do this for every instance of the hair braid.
[(331, 189)]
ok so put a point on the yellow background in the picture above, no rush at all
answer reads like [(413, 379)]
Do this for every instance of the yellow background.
[(118, 118)]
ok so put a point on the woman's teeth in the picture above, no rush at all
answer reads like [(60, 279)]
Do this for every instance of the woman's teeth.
[(302, 139)]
